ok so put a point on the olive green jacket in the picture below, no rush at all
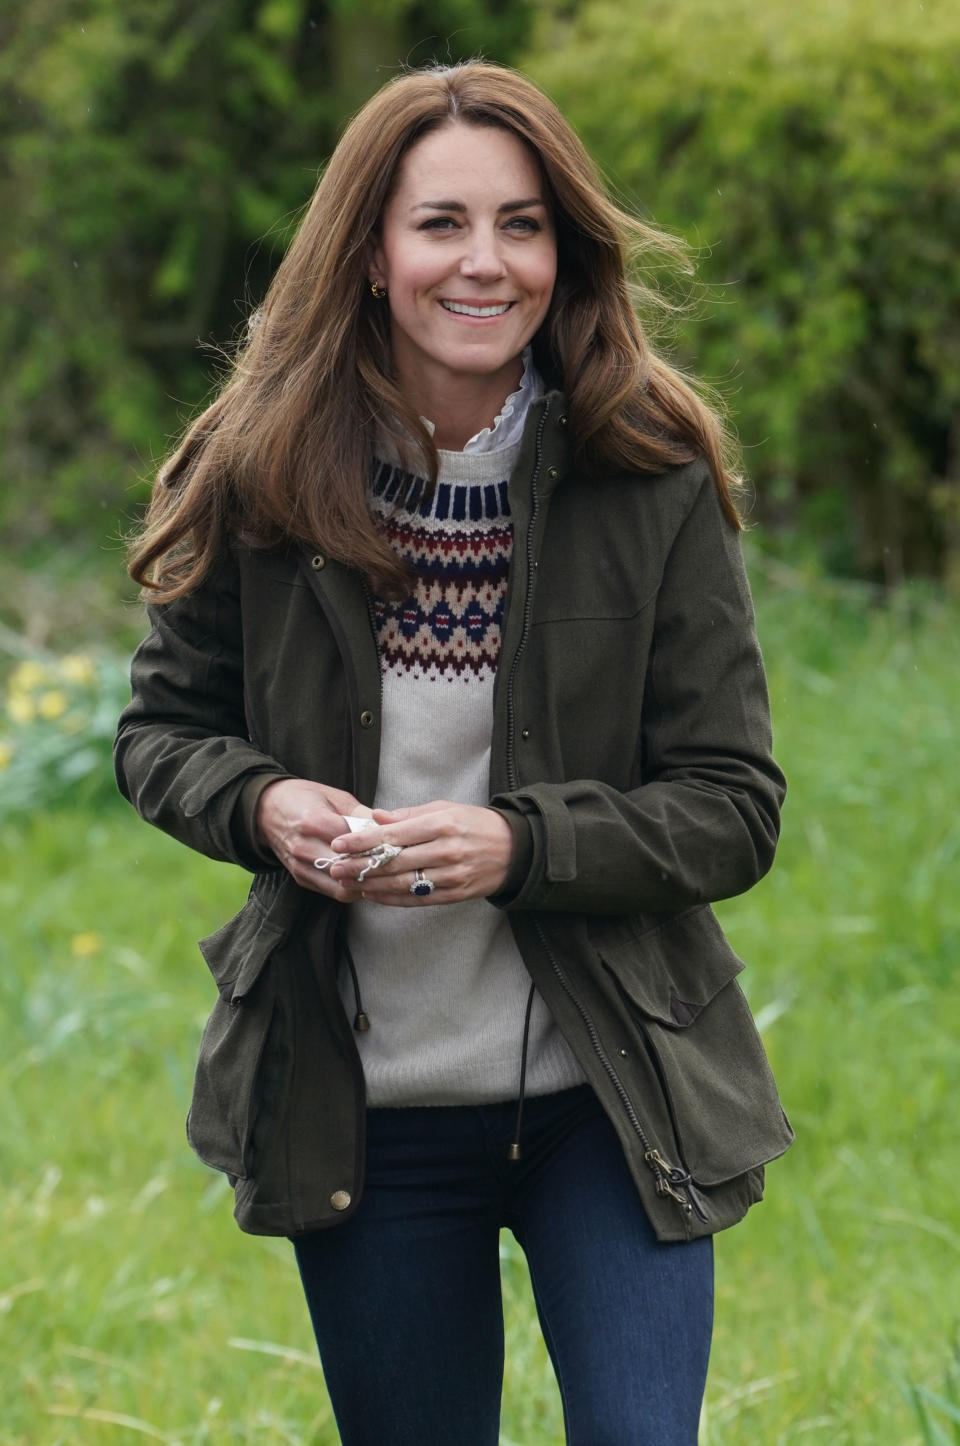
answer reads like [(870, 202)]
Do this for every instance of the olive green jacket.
[(631, 756)]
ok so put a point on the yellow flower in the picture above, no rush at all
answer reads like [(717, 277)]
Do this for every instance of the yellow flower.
[(27, 676), (6, 753), (52, 703), (83, 945), (77, 668), (20, 707)]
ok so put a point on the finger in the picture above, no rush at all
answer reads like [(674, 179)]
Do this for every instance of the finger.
[(353, 844), (304, 839), (403, 899), (320, 883), (419, 828), (308, 861), (307, 873), (396, 815), (423, 846), (322, 824), (450, 885), (348, 870)]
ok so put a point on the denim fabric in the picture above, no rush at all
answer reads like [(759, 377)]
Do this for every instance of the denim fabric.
[(405, 1295)]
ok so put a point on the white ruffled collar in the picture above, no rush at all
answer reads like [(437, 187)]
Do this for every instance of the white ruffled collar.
[(507, 426)]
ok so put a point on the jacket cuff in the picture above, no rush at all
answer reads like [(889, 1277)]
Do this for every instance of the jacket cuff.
[(521, 859), (243, 822)]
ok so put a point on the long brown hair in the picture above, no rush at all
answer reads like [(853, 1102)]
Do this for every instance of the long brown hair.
[(284, 451)]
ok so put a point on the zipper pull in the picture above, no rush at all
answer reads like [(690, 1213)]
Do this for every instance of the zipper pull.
[(670, 1181), (664, 1185)]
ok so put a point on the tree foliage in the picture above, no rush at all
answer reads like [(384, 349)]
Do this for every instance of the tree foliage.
[(155, 156), (811, 154)]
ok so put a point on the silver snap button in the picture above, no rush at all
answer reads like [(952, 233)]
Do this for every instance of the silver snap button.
[(318, 561), (340, 1199), (366, 719)]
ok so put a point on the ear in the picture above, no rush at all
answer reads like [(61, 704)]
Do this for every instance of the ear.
[(376, 264)]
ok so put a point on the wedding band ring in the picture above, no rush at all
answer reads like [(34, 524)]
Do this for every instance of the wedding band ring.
[(422, 887)]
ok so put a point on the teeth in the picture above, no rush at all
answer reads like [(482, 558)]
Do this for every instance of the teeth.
[(460, 308)]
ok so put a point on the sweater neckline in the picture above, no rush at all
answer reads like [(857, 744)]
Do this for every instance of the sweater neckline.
[(507, 426), (498, 446), (457, 469)]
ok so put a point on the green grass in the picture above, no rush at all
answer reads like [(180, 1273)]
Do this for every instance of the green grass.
[(132, 1309)]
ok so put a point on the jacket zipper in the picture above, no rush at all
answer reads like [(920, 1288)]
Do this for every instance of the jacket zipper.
[(527, 607), (372, 618), (669, 1180)]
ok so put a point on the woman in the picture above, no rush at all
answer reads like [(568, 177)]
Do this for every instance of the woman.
[(451, 645)]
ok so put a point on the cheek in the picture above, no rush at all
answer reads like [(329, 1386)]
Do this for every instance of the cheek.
[(413, 273), (543, 274), (547, 282)]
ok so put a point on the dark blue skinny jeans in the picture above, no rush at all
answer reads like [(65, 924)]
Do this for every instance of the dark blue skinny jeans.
[(405, 1296)]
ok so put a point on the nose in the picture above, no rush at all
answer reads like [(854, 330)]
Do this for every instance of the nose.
[(482, 259)]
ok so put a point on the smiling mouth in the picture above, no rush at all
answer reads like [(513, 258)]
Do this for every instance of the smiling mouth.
[(463, 308)]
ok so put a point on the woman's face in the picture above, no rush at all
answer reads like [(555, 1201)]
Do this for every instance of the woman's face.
[(468, 254)]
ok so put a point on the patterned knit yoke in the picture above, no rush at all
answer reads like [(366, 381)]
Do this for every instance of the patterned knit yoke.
[(458, 542)]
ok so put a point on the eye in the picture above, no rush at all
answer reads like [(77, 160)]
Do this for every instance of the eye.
[(439, 223), (523, 224)]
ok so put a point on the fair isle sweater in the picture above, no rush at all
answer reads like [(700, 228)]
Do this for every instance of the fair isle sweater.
[(444, 986)]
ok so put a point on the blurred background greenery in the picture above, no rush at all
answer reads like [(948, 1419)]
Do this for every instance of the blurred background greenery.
[(157, 153), (155, 156)]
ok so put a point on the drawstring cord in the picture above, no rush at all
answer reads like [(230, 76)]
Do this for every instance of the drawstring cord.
[(514, 1152), (360, 1021), (361, 1024)]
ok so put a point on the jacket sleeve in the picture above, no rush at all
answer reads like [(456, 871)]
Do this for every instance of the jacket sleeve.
[(182, 755), (704, 821)]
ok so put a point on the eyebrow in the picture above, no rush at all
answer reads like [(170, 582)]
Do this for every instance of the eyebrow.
[(460, 208)]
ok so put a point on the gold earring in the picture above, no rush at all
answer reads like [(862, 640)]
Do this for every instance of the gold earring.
[(378, 291)]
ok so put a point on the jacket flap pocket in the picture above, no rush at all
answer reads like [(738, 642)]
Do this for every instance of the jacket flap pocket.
[(237, 952), (710, 1061), (672, 970)]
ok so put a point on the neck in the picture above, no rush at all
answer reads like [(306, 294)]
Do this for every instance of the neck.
[(460, 407)]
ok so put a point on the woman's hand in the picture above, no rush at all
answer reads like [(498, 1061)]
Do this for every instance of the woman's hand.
[(297, 820), (463, 850)]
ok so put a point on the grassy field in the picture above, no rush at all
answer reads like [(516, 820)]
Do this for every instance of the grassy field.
[(131, 1309)]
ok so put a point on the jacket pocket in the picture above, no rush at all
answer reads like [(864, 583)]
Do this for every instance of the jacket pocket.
[(678, 982), (243, 1060)]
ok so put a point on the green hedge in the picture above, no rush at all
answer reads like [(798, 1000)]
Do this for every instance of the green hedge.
[(811, 155), (155, 155)]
